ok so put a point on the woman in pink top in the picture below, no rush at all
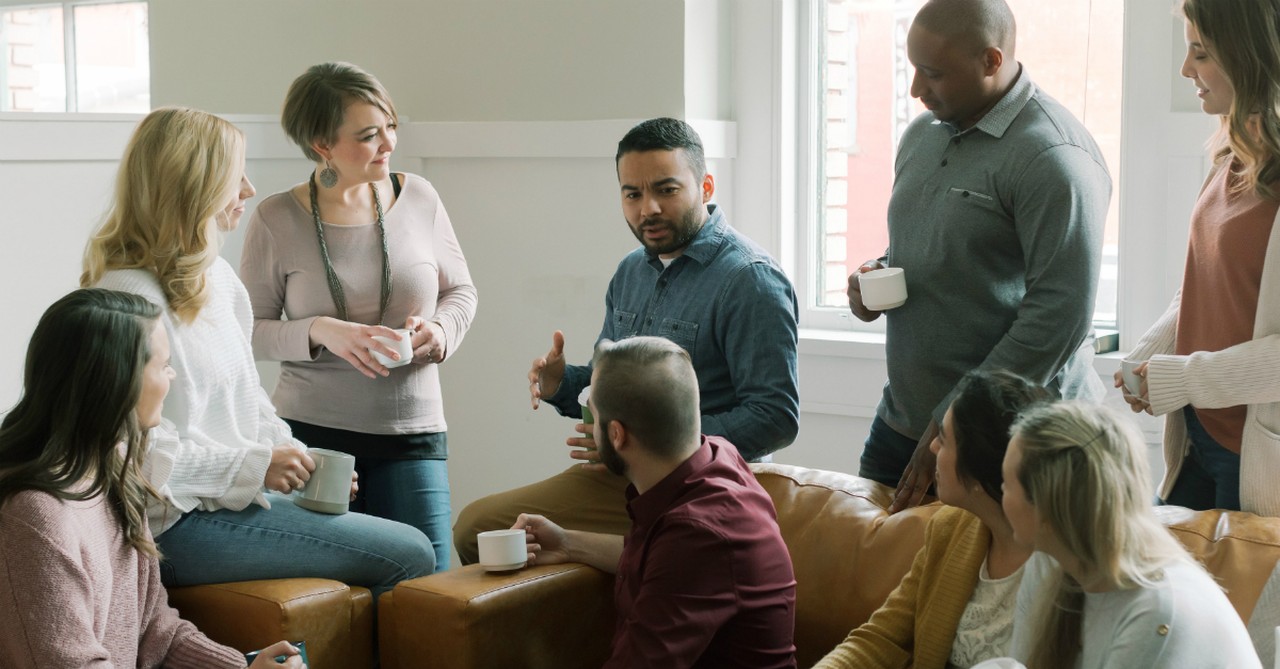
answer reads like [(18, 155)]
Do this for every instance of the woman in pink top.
[(347, 255), (1211, 364), (79, 572)]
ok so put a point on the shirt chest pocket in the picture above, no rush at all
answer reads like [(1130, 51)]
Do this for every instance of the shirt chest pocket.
[(624, 324), (960, 198), (684, 333)]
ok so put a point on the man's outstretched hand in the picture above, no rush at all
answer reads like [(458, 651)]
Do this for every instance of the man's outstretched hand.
[(548, 371)]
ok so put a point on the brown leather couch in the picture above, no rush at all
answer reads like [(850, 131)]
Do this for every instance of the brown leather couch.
[(335, 620), (848, 556)]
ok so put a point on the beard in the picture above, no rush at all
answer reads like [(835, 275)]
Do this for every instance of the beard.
[(682, 231), (609, 457)]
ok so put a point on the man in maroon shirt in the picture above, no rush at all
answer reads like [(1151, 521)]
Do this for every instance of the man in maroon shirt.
[(703, 577)]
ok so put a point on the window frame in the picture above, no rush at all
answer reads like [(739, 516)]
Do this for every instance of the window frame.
[(69, 64)]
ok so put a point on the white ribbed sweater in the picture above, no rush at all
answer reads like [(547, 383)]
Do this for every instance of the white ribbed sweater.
[(214, 445), (1247, 373)]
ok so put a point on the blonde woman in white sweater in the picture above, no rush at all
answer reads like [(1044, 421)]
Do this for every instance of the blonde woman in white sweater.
[(1212, 361), (222, 461)]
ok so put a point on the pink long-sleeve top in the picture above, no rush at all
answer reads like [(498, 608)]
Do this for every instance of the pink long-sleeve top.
[(74, 594), (283, 272)]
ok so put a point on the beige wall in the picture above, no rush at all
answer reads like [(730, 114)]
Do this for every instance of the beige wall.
[(442, 60)]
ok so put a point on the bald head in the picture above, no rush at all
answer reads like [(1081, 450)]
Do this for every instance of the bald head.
[(978, 24)]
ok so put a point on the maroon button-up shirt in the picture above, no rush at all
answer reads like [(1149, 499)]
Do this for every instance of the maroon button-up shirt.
[(704, 579)]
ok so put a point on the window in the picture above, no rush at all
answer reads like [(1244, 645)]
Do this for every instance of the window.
[(858, 104), (75, 57)]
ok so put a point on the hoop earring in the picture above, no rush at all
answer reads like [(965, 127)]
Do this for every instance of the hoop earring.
[(328, 176)]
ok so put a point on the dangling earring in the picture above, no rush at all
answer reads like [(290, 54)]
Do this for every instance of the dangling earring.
[(328, 176)]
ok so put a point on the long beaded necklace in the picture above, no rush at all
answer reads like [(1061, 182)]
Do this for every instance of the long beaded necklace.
[(335, 286)]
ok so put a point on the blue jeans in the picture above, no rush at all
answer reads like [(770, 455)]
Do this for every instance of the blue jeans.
[(287, 541), (886, 454), (1210, 474), (414, 492)]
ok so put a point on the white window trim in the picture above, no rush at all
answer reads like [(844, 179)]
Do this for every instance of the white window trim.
[(68, 42)]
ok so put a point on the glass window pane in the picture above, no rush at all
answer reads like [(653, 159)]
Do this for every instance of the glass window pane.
[(113, 67), (32, 68), (1071, 49)]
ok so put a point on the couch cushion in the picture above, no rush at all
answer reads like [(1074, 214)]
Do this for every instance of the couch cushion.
[(848, 553), (334, 619), (1239, 549), (540, 617)]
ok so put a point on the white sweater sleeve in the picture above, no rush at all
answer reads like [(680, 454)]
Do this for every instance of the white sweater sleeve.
[(214, 446), (193, 472), (1247, 373), (1161, 336)]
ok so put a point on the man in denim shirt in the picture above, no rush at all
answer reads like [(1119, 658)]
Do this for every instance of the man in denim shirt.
[(695, 281)]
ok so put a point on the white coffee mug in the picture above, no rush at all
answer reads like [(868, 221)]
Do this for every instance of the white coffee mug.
[(502, 550), (1128, 373), (404, 347), (883, 289), (329, 488)]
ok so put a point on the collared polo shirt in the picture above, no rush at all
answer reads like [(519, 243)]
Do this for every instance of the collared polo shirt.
[(999, 231)]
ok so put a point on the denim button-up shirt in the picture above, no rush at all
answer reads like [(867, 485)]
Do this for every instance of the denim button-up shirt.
[(728, 304)]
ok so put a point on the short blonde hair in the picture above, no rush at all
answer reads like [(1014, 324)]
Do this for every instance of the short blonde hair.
[(317, 100), (180, 170)]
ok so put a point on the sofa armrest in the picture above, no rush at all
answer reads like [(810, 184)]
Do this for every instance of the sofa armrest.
[(557, 616), (334, 619)]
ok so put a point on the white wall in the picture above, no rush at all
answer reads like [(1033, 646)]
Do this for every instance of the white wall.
[(441, 60)]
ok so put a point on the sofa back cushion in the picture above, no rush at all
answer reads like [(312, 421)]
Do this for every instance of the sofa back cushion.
[(1239, 549), (848, 553)]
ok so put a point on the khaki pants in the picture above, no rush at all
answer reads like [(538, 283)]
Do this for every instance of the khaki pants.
[(575, 499)]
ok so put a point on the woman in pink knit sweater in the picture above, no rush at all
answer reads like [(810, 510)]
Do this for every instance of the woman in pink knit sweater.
[(79, 572)]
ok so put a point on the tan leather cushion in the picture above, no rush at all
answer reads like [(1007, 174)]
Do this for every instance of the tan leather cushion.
[(552, 617), (1239, 549), (848, 553), (334, 619)]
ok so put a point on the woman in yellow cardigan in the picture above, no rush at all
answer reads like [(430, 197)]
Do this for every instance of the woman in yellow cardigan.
[(955, 607)]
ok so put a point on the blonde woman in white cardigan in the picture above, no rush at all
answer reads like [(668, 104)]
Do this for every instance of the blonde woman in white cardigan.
[(1212, 361), (222, 461)]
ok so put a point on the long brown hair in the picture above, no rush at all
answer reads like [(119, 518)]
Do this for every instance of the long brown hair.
[(1243, 36), (181, 169), (74, 434)]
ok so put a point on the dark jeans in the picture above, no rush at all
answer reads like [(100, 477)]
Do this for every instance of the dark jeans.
[(1210, 475), (886, 454)]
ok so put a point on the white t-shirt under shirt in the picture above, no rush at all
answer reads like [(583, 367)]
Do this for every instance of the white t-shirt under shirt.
[(1184, 620)]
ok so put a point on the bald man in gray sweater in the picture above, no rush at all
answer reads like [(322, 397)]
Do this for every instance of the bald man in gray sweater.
[(998, 205)]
